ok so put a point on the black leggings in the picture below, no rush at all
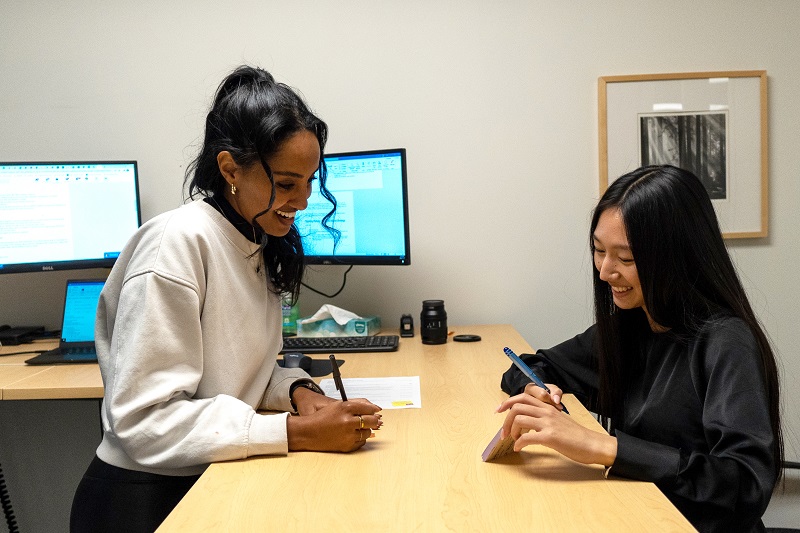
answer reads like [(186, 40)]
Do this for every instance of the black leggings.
[(109, 499)]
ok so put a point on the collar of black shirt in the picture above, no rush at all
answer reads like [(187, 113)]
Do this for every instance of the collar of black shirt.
[(221, 204)]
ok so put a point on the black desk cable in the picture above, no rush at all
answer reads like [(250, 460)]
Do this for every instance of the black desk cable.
[(5, 499), (344, 281)]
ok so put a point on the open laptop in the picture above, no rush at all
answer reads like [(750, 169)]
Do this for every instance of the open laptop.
[(77, 325)]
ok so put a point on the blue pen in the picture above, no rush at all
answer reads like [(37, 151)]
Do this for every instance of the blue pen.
[(528, 372)]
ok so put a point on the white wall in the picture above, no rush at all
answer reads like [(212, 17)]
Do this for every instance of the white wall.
[(495, 102)]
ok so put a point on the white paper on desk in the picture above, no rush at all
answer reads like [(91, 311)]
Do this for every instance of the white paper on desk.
[(387, 393)]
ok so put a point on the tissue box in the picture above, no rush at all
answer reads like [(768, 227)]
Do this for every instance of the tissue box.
[(355, 327)]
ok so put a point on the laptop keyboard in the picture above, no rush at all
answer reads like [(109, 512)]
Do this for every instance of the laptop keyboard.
[(78, 351), (79, 354)]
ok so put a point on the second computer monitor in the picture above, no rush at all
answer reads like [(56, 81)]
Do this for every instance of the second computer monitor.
[(66, 215), (371, 211)]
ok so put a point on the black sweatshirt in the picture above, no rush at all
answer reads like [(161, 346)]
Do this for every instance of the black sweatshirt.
[(695, 419)]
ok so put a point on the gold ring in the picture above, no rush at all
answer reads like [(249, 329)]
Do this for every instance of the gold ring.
[(361, 420)]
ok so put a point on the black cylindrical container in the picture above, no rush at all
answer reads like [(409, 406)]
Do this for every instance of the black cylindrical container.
[(433, 322)]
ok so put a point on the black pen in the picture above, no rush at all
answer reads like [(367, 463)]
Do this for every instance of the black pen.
[(337, 377)]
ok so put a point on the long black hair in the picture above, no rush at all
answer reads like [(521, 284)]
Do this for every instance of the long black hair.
[(251, 117), (685, 272)]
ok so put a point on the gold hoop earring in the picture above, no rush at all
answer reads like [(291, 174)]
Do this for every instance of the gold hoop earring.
[(233, 189)]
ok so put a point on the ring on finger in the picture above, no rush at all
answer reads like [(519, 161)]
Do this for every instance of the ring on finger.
[(361, 422)]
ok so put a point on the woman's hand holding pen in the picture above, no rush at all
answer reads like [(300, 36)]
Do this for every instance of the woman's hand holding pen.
[(533, 418), (334, 426)]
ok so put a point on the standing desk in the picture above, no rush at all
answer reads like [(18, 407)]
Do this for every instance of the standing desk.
[(19, 381), (423, 471)]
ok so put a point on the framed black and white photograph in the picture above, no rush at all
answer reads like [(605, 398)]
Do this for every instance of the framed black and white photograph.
[(713, 124), (693, 141)]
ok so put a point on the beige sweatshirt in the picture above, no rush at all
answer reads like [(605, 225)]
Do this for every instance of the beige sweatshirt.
[(187, 337)]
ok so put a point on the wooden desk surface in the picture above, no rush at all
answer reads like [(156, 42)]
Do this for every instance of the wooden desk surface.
[(423, 472), (19, 381)]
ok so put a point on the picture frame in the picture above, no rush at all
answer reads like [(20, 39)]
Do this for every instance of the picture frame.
[(711, 123)]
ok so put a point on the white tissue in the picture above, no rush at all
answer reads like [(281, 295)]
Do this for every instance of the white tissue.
[(341, 316)]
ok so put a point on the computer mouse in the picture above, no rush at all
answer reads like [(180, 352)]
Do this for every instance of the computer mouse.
[(297, 360)]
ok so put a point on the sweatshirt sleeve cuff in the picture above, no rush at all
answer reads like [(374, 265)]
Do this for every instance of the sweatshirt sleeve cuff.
[(276, 397), (645, 461), (267, 435)]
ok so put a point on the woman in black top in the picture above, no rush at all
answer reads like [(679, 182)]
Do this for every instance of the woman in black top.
[(676, 362)]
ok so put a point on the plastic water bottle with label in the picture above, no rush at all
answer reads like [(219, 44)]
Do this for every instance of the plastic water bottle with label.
[(290, 315)]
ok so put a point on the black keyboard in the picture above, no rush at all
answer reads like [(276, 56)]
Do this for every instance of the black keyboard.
[(372, 343)]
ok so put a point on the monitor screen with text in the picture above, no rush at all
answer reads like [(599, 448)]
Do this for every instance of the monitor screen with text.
[(371, 216), (66, 215)]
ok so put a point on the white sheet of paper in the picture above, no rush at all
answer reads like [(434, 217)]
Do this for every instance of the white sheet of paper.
[(388, 393)]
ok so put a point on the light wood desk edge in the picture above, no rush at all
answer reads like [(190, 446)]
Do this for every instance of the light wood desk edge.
[(19, 381)]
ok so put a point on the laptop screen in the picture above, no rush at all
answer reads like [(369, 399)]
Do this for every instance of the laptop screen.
[(80, 309)]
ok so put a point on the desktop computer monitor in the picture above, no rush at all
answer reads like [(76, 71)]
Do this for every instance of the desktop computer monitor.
[(371, 194), (66, 215)]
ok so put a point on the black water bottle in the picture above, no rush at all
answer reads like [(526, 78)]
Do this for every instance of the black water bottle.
[(433, 322)]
